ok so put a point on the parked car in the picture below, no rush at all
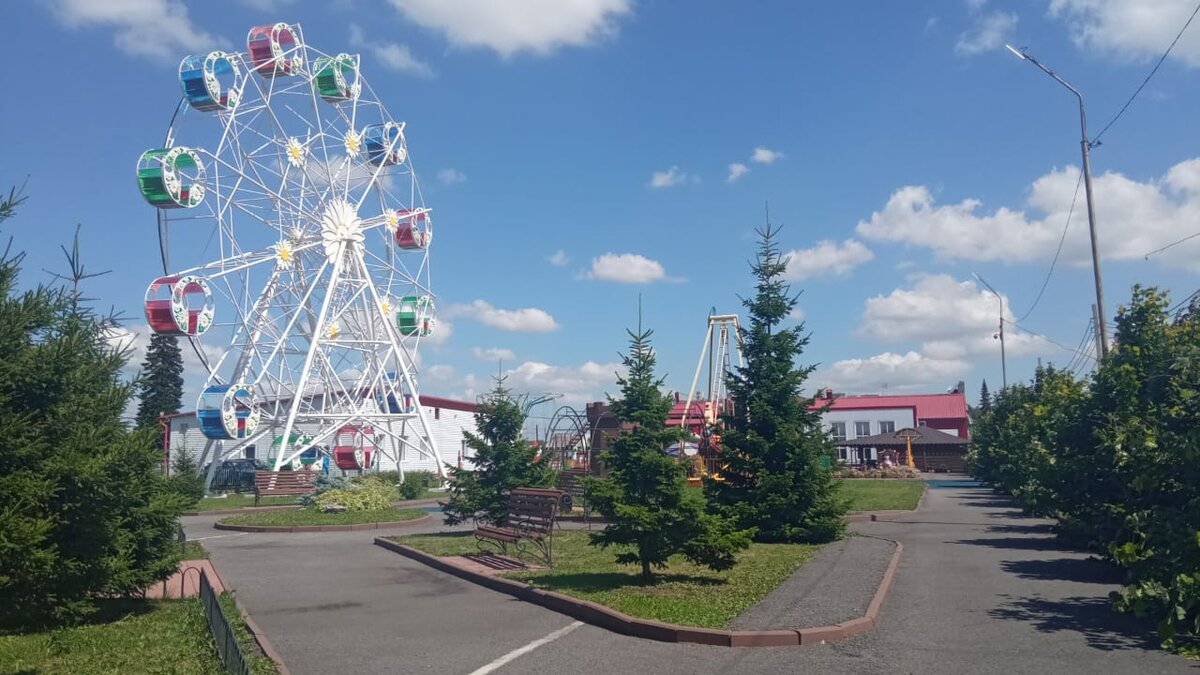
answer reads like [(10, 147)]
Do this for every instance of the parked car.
[(235, 474)]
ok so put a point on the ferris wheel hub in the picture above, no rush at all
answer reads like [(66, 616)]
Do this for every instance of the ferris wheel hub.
[(340, 225)]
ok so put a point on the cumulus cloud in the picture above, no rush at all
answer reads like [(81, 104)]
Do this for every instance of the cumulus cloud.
[(670, 178), (392, 55), (1146, 214), (526, 319), (157, 28), (952, 319), (987, 32), (629, 268), (577, 384), (827, 257), (494, 354), (890, 371), (1130, 29), (765, 156), (451, 176), (736, 171), (538, 26), (559, 259)]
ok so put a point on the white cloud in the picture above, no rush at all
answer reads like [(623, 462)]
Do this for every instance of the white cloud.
[(890, 371), (539, 26), (797, 314), (670, 178), (578, 385), (1133, 218), (629, 268), (736, 171), (494, 354), (158, 28), (559, 259), (527, 319), (987, 32), (827, 257), (1130, 29), (451, 176), (440, 335), (953, 319), (392, 55), (765, 156)]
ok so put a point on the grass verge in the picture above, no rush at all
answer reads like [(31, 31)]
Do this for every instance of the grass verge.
[(193, 550), (684, 593), (237, 501), (870, 494), (295, 517), (130, 637)]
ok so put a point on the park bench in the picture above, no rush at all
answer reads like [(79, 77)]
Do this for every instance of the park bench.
[(529, 523), (283, 483), (571, 484)]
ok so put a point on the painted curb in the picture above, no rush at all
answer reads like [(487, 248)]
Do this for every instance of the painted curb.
[(323, 528), (618, 622)]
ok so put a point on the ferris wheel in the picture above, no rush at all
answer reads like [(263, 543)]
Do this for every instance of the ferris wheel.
[(295, 255)]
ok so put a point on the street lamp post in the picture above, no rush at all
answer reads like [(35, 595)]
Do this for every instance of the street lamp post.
[(1003, 361), (1085, 146)]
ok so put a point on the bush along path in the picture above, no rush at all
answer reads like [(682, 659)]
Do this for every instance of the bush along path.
[(1114, 458)]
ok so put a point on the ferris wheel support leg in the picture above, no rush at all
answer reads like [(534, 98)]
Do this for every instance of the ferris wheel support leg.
[(212, 469), (298, 395), (401, 358), (687, 408)]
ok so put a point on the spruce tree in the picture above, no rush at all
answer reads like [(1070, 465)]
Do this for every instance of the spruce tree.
[(503, 461), (985, 398), (644, 497), (84, 508), (161, 387), (772, 444)]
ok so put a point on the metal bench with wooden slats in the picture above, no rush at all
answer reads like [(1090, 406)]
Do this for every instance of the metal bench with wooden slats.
[(283, 483), (529, 522)]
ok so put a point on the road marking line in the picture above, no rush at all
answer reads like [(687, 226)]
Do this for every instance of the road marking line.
[(218, 536), (526, 649)]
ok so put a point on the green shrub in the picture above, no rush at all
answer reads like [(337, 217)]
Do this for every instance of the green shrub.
[(186, 479), (416, 482), (367, 494)]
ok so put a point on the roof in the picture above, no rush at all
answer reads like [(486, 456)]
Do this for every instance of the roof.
[(926, 406), (927, 436)]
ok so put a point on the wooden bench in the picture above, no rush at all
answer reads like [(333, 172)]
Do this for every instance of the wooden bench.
[(283, 483), (571, 483), (528, 523)]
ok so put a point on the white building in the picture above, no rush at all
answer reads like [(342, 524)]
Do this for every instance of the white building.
[(447, 418), (857, 416)]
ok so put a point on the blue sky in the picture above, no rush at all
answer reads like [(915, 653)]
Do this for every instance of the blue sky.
[(580, 154)]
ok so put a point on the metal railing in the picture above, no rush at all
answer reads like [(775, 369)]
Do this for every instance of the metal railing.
[(226, 639)]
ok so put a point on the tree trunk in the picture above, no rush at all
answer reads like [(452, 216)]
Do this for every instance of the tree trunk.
[(646, 570)]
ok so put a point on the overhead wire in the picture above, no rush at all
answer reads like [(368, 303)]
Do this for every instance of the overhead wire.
[(1061, 240), (1096, 140)]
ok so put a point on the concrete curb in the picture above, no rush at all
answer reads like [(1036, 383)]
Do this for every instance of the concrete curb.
[(323, 528), (604, 617), (283, 507), (260, 638)]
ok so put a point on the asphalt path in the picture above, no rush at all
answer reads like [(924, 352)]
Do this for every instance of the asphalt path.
[(980, 589)]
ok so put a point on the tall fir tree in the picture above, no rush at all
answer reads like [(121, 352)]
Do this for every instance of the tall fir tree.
[(161, 386), (985, 398), (504, 460), (772, 474), (644, 496), (86, 511)]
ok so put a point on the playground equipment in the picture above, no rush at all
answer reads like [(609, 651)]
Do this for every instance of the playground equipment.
[(295, 242)]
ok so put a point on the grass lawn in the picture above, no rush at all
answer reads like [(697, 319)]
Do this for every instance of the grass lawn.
[(235, 501), (129, 637), (684, 593), (194, 550), (870, 494), (314, 517)]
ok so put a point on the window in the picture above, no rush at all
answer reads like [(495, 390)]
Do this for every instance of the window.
[(886, 426), (922, 423), (862, 429), (248, 453), (437, 413), (838, 431)]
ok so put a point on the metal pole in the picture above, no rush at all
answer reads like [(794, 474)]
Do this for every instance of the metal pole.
[(1085, 147), (1003, 359)]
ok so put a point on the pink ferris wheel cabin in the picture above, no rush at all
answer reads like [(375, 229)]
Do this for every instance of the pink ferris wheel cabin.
[(273, 50), (187, 309)]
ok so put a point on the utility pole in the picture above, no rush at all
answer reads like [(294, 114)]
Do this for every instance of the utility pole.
[(1003, 360), (1085, 147)]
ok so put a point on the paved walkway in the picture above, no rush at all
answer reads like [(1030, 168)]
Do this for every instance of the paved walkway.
[(980, 589)]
